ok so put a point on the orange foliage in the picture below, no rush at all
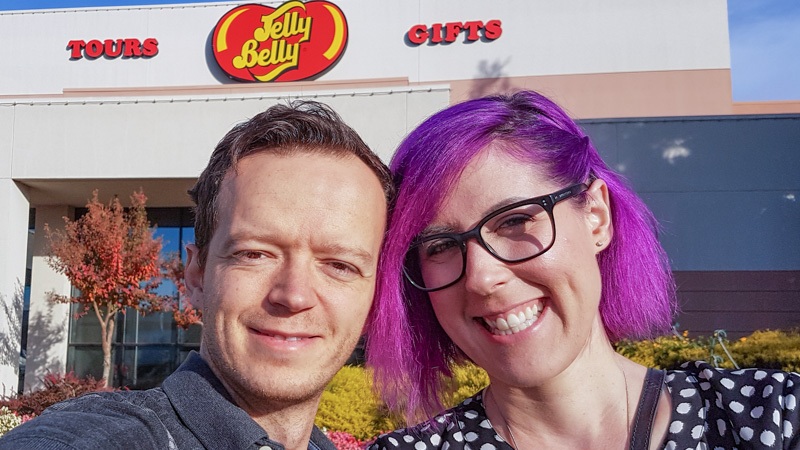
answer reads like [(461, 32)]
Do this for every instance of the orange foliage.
[(111, 258)]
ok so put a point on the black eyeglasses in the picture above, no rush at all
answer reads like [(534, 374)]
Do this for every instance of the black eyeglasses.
[(514, 233)]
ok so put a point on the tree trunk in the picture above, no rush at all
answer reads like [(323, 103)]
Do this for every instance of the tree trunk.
[(107, 324)]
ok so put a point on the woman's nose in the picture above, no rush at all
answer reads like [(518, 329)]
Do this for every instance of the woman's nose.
[(483, 273)]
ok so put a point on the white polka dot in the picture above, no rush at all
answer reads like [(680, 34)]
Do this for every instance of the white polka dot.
[(394, 441), (488, 446), (791, 402), (676, 426), (420, 446), (467, 401), (721, 427), (776, 417), (746, 433), (446, 446), (450, 426), (670, 445), (757, 412), (471, 436), (767, 438), (471, 414), (688, 392), (780, 401), (705, 385), (670, 377), (707, 374), (736, 407), (457, 436), (435, 440), (789, 383), (691, 379), (701, 413), (697, 431), (408, 438), (759, 375), (787, 429), (719, 400), (767, 391), (702, 446), (727, 382), (498, 438), (485, 424), (684, 408), (747, 391), (779, 376)]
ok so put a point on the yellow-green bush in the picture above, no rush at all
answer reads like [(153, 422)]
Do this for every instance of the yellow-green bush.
[(768, 349), (349, 404), (467, 380)]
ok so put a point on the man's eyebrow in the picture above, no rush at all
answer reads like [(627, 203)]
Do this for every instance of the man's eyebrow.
[(364, 256)]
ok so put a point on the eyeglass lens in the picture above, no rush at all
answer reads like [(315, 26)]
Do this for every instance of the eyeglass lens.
[(515, 235)]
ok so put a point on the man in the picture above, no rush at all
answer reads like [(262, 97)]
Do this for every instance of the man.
[(290, 215)]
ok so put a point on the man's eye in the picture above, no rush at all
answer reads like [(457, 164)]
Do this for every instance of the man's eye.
[(249, 255), (343, 270)]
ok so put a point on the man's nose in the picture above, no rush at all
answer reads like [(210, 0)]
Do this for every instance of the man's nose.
[(292, 286), (483, 273)]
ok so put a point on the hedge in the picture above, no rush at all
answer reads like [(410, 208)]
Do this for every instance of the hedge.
[(352, 414)]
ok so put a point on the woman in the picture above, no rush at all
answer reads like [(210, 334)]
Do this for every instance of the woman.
[(514, 246)]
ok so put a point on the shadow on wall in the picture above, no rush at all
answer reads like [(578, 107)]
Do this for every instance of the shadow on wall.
[(490, 79), (10, 341), (43, 337)]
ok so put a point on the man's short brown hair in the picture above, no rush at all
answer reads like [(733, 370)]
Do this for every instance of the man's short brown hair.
[(301, 126)]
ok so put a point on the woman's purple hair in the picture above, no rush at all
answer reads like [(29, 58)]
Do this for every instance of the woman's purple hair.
[(406, 346)]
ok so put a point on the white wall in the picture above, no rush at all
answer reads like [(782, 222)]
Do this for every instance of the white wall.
[(540, 37), (13, 247), (173, 137)]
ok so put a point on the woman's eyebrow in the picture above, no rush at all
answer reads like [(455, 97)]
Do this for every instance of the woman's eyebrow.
[(430, 230)]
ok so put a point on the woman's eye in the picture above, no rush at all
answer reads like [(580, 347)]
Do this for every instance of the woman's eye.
[(515, 221), (437, 247)]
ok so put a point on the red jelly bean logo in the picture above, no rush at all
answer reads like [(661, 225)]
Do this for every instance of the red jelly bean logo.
[(292, 42)]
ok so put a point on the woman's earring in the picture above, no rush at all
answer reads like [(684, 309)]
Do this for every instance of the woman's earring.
[(600, 243)]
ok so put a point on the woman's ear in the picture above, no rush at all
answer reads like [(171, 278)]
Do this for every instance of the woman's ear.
[(599, 214), (193, 276)]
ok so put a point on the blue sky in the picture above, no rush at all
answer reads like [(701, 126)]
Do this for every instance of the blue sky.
[(764, 36)]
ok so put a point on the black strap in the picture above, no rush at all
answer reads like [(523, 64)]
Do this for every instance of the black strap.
[(646, 412)]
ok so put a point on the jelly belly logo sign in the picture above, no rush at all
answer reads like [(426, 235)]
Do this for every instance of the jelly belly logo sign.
[(294, 41)]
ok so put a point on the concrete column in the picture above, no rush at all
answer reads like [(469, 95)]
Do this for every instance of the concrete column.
[(48, 322), (14, 212)]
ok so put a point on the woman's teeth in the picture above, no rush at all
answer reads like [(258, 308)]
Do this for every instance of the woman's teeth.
[(513, 322)]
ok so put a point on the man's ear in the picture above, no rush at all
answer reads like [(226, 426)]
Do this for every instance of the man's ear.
[(193, 276), (599, 214)]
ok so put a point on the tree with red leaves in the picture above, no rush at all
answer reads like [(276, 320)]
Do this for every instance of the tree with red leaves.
[(183, 311), (112, 259)]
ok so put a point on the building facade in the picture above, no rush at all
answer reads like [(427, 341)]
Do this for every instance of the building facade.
[(121, 98)]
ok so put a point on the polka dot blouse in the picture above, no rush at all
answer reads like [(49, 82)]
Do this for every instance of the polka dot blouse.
[(712, 409)]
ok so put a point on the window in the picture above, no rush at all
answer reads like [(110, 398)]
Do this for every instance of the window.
[(146, 348)]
